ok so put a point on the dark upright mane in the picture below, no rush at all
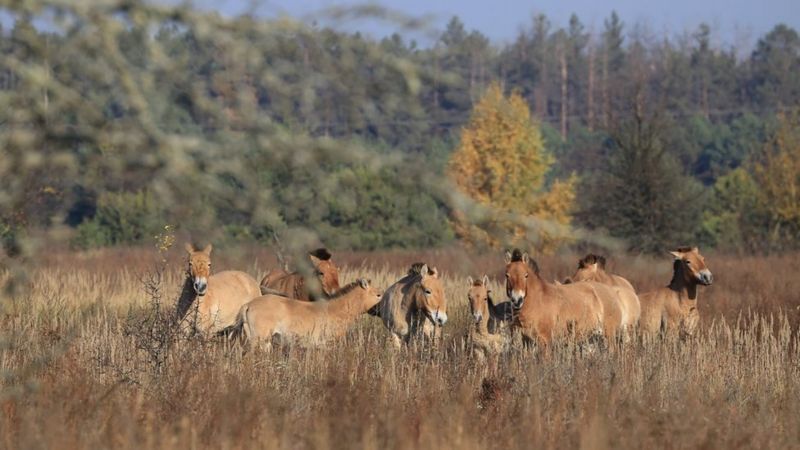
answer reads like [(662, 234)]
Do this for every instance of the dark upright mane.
[(416, 269), (345, 290), (516, 256), (321, 253), (590, 259), (477, 282)]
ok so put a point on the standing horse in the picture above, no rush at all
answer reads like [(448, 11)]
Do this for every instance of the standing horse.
[(593, 268), (271, 316), (415, 303), (217, 298), (486, 337), (546, 310), (294, 285), (673, 308)]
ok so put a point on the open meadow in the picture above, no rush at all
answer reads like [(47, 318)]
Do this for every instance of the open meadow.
[(89, 363)]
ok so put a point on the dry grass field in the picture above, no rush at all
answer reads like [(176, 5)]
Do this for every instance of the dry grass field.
[(86, 364)]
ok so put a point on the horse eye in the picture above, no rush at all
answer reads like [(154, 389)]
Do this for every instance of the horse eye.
[(427, 292), (507, 275), (688, 262), (526, 275)]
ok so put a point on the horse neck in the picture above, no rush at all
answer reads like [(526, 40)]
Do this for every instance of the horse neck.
[(347, 307), (411, 295), (535, 285), (679, 284)]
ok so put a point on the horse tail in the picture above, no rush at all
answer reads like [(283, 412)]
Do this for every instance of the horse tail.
[(243, 324), (236, 331)]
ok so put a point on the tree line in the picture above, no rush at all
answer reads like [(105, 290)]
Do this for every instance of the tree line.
[(132, 117)]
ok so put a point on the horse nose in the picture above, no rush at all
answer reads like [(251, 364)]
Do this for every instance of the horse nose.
[(200, 287), (441, 318), (706, 277), (478, 317)]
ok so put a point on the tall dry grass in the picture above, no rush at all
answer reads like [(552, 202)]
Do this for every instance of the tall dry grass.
[(75, 374)]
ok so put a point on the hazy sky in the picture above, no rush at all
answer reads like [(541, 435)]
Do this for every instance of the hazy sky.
[(731, 20)]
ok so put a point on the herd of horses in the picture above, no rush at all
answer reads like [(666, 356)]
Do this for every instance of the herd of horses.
[(289, 307)]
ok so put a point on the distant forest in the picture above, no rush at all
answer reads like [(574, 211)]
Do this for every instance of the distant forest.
[(143, 122)]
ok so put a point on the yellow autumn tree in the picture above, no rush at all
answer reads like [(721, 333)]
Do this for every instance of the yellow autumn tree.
[(501, 164)]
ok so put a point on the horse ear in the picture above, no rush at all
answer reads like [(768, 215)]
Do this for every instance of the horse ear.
[(207, 250), (485, 280), (567, 280), (364, 283), (695, 249), (470, 281), (677, 254), (525, 258), (434, 272), (508, 257), (189, 248), (314, 260), (423, 270)]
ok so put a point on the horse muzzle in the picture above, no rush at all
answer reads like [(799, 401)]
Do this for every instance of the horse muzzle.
[(439, 318), (200, 286), (478, 317), (705, 277), (517, 298)]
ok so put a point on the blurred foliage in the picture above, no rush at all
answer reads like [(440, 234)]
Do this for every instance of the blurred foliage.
[(501, 162), (121, 218)]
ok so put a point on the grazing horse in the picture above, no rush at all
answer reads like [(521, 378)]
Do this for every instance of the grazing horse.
[(674, 308), (294, 285), (593, 268), (217, 297), (486, 338), (548, 310), (274, 316), (414, 303)]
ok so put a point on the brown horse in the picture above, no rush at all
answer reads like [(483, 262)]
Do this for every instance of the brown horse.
[(673, 308), (414, 303), (295, 285), (486, 337), (271, 316), (593, 268), (546, 310), (217, 298)]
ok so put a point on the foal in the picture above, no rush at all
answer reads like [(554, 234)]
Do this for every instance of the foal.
[(673, 308)]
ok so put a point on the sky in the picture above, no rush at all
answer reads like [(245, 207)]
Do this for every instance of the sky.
[(734, 22)]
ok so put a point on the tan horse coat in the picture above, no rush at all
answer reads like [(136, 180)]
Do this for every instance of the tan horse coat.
[(416, 303), (546, 310), (295, 285), (592, 268), (313, 323), (486, 338), (673, 309), (211, 302)]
